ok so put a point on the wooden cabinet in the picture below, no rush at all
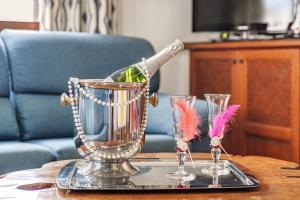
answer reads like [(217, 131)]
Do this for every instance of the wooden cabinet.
[(262, 76), (19, 25), (216, 72)]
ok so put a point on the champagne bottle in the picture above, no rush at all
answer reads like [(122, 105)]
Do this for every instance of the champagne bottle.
[(135, 72)]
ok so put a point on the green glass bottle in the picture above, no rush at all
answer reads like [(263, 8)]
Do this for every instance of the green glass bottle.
[(135, 72)]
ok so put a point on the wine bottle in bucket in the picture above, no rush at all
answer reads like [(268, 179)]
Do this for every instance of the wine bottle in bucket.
[(136, 72)]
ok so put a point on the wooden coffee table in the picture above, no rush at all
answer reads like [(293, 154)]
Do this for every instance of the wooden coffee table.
[(278, 181)]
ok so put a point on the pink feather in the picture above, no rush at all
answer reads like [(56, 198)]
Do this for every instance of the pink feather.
[(221, 121), (188, 121)]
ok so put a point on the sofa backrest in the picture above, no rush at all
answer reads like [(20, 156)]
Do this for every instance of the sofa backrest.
[(8, 124), (42, 62)]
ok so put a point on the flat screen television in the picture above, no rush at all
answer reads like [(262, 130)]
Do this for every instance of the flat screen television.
[(230, 15)]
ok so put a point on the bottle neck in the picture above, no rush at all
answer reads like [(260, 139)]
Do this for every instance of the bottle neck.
[(155, 62)]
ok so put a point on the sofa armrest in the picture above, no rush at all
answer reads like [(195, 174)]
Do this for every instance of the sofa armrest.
[(160, 119)]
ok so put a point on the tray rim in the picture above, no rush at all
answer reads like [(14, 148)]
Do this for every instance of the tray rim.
[(256, 183)]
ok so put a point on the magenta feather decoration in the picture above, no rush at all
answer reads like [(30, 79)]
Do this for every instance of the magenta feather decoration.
[(222, 120), (188, 121)]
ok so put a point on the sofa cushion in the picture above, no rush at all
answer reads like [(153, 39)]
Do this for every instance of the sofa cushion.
[(19, 155), (42, 62), (41, 117), (159, 143), (62, 148), (4, 88), (8, 124)]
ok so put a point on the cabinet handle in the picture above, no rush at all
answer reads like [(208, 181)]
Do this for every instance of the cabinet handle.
[(241, 61), (234, 61)]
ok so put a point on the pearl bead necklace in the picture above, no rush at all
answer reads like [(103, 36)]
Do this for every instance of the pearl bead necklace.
[(98, 155)]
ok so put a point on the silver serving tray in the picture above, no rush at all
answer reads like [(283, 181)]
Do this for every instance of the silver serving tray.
[(152, 176)]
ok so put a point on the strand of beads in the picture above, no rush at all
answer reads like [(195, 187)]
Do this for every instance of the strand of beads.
[(92, 97), (134, 147), (147, 92), (75, 110)]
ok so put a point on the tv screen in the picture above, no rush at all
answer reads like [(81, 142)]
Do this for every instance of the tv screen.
[(229, 15)]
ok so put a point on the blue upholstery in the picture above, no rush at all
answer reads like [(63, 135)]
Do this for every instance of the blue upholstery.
[(159, 143), (62, 148), (4, 89), (42, 62), (160, 120), (8, 124), (202, 110), (201, 145), (19, 155), (41, 117)]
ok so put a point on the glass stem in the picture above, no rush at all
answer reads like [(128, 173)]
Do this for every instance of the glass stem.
[(181, 156), (216, 153), (215, 179)]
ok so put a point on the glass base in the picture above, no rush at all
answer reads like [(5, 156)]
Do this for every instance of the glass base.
[(181, 176), (212, 171)]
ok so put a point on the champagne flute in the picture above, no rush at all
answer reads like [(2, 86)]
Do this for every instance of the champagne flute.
[(182, 145), (216, 104)]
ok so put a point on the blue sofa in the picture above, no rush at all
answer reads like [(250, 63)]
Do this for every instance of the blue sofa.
[(34, 69)]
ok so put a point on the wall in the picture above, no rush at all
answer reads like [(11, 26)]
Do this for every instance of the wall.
[(162, 21), (17, 10), (159, 21)]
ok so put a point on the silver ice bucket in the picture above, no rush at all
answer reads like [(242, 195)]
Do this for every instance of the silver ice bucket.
[(110, 120)]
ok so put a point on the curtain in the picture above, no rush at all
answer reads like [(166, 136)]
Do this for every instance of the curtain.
[(95, 16)]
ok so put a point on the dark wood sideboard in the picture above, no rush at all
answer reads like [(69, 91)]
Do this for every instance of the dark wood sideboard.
[(19, 25), (263, 77)]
